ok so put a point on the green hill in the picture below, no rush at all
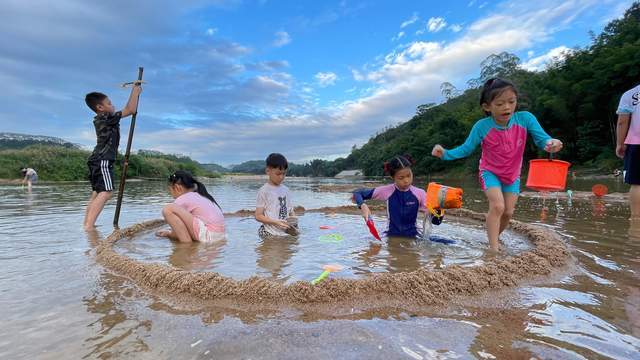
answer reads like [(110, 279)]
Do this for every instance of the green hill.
[(215, 168), (20, 141), (58, 163), (575, 100)]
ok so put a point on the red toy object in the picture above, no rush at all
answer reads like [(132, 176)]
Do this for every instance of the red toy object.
[(547, 175), (372, 229), (600, 190), (326, 227)]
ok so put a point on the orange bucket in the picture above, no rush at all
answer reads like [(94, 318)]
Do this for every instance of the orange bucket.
[(443, 197), (599, 190), (547, 174)]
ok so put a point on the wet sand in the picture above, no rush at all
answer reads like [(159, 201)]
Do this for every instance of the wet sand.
[(615, 197), (420, 287)]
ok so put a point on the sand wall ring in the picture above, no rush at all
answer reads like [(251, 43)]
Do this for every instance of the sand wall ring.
[(422, 286)]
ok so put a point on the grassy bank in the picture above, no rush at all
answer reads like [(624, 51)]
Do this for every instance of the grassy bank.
[(56, 163)]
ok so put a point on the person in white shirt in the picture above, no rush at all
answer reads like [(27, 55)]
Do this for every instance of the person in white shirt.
[(273, 205), (628, 144)]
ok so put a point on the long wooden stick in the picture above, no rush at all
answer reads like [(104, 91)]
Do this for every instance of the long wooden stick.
[(125, 164)]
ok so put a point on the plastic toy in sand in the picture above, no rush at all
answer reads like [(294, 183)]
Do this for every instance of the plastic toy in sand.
[(372, 229), (599, 190), (328, 269), (441, 240), (547, 175), (331, 238)]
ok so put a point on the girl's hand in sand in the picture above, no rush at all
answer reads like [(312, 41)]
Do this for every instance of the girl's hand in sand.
[(553, 146), (163, 233), (365, 211), (438, 151)]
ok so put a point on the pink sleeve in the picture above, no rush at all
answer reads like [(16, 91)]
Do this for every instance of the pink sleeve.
[(421, 195), (383, 192)]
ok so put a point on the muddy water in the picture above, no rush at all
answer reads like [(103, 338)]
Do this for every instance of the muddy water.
[(58, 302)]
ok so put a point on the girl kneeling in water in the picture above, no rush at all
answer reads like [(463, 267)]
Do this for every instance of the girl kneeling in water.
[(194, 215)]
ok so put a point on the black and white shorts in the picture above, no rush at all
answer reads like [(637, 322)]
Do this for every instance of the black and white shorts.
[(101, 175), (632, 165)]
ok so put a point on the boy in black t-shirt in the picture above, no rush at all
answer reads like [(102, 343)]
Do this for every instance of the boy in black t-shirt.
[(107, 124)]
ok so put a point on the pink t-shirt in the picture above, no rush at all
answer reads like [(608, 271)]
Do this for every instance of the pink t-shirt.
[(202, 208)]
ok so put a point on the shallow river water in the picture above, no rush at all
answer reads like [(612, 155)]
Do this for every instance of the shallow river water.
[(58, 302)]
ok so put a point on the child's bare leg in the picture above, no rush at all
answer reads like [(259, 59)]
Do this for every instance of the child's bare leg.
[(496, 209), (86, 212), (510, 200), (181, 222), (634, 199), (95, 208)]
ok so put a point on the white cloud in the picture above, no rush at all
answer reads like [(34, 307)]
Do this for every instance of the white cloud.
[(530, 53), (409, 21), (224, 107), (455, 28), (211, 31), (436, 24), (408, 76), (398, 37), (282, 39), (326, 78), (357, 75), (541, 62)]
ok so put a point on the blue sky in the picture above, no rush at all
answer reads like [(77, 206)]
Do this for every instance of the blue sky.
[(230, 81)]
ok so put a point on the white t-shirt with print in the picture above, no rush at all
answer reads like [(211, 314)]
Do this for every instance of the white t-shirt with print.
[(277, 205), (630, 104)]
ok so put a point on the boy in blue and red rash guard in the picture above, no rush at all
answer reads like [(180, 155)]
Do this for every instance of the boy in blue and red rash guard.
[(403, 199)]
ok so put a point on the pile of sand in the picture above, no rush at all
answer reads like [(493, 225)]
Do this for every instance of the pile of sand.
[(578, 195), (422, 286)]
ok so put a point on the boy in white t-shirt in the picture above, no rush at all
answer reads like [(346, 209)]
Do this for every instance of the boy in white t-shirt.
[(273, 205), (628, 144)]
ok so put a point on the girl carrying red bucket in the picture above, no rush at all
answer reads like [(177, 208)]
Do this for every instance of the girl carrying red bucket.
[(502, 136)]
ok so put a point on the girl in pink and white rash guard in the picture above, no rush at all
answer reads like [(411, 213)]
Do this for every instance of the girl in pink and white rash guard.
[(502, 136)]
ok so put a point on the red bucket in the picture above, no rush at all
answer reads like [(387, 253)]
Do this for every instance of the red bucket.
[(547, 175), (599, 190)]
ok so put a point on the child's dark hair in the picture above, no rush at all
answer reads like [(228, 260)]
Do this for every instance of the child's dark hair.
[(398, 162), (187, 180), (493, 88), (93, 99), (277, 161), (23, 171)]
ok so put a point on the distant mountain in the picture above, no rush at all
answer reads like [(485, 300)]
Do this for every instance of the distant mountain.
[(215, 168), (250, 167), (19, 141)]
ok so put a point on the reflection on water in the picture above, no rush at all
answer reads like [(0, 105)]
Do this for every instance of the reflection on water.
[(274, 254), (56, 302)]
